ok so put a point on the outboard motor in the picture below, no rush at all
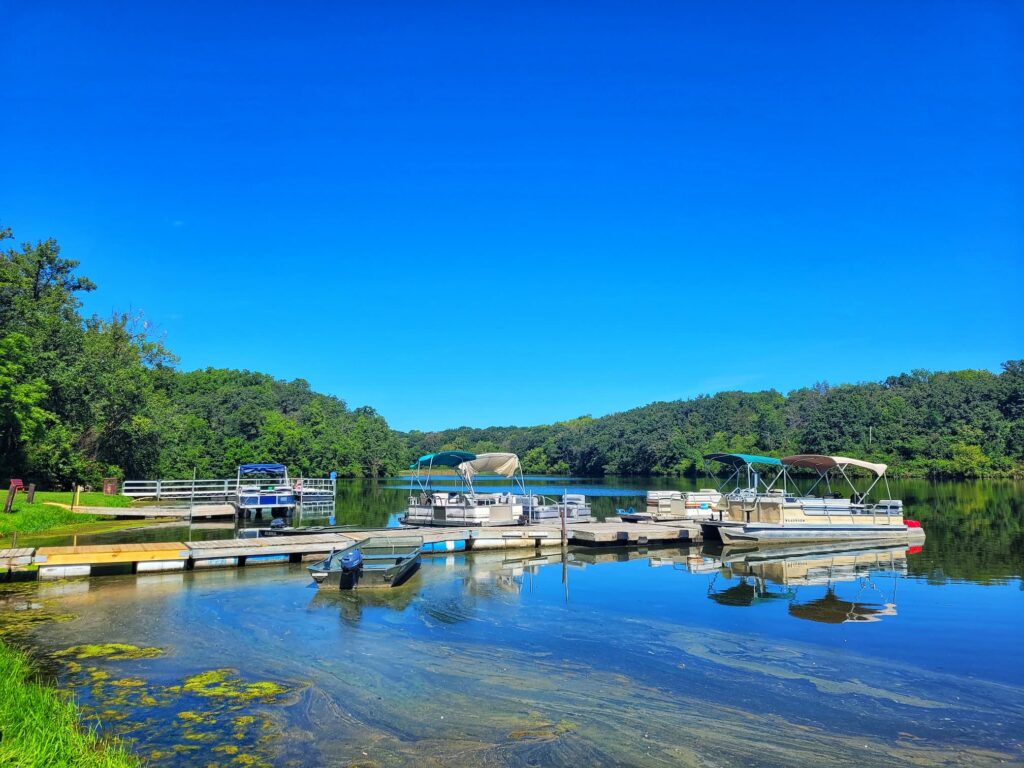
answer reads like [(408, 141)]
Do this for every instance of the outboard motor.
[(277, 523), (351, 561)]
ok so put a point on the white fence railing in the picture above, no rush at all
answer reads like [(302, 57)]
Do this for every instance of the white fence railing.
[(206, 489)]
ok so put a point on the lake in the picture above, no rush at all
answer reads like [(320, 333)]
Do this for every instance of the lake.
[(691, 656)]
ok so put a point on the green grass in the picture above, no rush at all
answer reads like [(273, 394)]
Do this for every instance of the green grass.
[(40, 729), (86, 499), (40, 516)]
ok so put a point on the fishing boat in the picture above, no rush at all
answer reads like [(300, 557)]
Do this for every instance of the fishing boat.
[(379, 561), (264, 488), (780, 515), (463, 504), (706, 503)]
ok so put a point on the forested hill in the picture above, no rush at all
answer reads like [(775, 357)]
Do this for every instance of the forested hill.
[(961, 423), (83, 398)]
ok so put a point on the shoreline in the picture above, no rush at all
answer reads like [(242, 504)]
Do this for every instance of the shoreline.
[(43, 727)]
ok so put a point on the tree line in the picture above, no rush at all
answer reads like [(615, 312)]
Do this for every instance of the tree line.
[(953, 424), (83, 398)]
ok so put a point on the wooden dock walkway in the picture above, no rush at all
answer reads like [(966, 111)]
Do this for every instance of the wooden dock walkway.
[(62, 562), (200, 510)]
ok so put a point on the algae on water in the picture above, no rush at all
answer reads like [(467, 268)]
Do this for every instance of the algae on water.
[(112, 651)]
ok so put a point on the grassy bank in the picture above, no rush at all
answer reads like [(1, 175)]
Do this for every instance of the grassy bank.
[(40, 729), (43, 514)]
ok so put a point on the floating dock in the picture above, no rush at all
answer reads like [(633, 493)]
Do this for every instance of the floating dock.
[(99, 559)]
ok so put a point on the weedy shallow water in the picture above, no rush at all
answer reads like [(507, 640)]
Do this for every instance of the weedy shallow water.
[(608, 657)]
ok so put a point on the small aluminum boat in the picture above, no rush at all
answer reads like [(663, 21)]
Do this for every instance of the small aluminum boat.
[(379, 561)]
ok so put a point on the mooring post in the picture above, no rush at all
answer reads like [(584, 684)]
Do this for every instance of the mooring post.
[(562, 515), (9, 501), (31, 493)]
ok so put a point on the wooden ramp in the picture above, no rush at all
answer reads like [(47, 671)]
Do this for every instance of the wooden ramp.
[(200, 510)]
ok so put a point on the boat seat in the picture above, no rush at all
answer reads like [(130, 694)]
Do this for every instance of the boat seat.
[(375, 566)]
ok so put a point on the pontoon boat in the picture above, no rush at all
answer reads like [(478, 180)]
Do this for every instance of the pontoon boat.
[(781, 515), (464, 505), (264, 488)]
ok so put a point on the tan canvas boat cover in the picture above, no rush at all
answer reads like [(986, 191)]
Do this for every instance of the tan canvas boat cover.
[(504, 464), (825, 463)]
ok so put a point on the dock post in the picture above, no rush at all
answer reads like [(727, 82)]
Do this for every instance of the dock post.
[(31, 498), (9, 501)]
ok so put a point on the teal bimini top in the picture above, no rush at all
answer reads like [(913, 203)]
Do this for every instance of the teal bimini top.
[(442, 459), (741, 459)]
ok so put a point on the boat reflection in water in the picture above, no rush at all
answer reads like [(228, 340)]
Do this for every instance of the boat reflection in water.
[(788, 573), (450, 588)]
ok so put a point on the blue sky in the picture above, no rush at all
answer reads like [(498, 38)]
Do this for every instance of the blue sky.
[(496, 214)]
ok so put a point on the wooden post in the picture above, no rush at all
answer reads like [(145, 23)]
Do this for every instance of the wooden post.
[(31, 493), (9, 501)]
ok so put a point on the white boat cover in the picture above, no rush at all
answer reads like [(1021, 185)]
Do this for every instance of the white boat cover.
[(504, 464), (825, 463)]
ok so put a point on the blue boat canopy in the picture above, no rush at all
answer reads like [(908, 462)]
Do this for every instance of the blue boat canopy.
[(741, 459), (247, 470), (443, 459)]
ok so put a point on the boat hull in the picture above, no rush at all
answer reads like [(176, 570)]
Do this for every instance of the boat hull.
[(464, 514), (769, 533), (368, 578)]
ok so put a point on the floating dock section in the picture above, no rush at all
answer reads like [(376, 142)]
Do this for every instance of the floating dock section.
[(93, 560)]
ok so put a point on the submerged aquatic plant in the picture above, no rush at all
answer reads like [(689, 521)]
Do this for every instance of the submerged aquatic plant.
[(112, 651), (224, 683)]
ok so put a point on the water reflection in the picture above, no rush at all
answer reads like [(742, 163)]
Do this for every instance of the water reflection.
[(525, 657), (975, 529), (788, 573)]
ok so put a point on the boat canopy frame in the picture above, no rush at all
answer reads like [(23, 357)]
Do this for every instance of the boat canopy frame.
[(463, 464), (741, 462), (824, 466), (262, 470)]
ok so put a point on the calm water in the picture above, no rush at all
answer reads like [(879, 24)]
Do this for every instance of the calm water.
[(601, 657)]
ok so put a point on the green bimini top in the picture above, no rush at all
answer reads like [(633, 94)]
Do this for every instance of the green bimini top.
[(442, 459), (741, 459)]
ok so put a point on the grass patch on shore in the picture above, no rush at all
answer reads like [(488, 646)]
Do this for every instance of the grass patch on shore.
[(42, 515), (85, 499), (41, 729)]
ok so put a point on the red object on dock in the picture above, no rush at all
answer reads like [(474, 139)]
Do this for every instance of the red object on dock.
[(912, 523), (915, 549)]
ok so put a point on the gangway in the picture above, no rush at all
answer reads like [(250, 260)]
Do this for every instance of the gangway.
[(207, 490)]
